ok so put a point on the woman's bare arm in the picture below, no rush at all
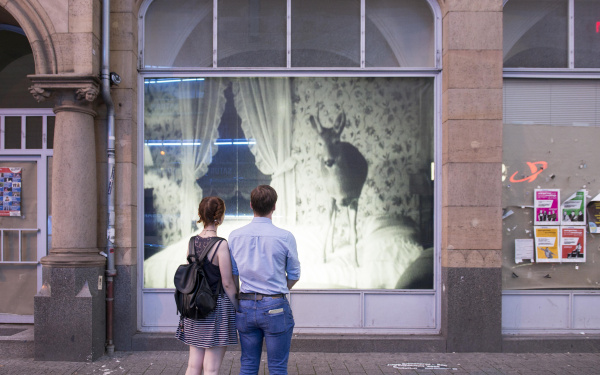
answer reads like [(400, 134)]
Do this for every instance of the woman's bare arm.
[(226, 273)]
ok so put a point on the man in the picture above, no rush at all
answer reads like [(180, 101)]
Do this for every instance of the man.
[(265, 260)]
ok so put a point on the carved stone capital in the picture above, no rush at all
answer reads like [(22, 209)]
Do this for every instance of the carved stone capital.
[(39, 94), (87, 93), (70, 92)]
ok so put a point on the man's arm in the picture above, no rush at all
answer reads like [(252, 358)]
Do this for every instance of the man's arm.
[(293, 264)]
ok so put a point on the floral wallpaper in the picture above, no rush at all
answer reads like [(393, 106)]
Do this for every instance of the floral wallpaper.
[(390, 121)]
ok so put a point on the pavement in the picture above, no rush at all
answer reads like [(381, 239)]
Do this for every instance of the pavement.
[(175, 362)]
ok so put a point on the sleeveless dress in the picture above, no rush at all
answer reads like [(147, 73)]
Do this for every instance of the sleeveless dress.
[(218, 328)]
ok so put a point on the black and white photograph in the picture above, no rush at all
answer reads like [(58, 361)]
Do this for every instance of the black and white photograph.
[(350, 158)]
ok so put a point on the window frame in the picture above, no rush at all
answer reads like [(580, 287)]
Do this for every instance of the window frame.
[(437, 24), (430, 296), (592, 73)]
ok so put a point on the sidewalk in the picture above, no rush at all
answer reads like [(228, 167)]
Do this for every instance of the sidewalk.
[(171, 363)]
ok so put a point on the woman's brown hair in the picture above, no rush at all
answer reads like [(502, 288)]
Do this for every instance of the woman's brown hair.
[(211, 210)]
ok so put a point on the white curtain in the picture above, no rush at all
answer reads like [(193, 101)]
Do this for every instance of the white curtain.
[(265, 107), (201, 105)]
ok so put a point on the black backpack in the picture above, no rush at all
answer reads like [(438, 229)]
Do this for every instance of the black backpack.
[(193, 296)]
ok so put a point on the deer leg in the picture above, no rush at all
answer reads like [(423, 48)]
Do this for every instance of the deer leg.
[(352, 213), (328, 248)]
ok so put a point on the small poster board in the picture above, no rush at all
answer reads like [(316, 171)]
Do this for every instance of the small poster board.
[(572, 243), (546, 205), (10, 191), (573, 209), (547, 244)]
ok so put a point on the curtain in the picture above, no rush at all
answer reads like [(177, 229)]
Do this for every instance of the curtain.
[(265, 108), (201, 105)]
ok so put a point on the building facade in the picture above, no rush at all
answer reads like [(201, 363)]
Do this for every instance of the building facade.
[(413, 143)]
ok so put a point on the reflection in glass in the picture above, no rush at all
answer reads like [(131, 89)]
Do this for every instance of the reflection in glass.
[(587, 34), (33, 132), (178, 33), (18, 299), (50, 129), (567, 147), (29, 246), (252, 33), (225, 136), (12, 132), (535, 34), (326, 33), (399, 33), (10, 246)]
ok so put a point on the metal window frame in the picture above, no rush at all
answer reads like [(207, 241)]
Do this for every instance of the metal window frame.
[(553, 73), (434, 72), (437, 53), (569, 72)]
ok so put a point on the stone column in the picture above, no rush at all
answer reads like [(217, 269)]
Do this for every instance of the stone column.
[(69, 311), (471, 171)]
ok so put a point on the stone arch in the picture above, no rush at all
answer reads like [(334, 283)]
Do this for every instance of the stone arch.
[(38, 28)]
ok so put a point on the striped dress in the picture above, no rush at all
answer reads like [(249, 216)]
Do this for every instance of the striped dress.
[(216, 329)]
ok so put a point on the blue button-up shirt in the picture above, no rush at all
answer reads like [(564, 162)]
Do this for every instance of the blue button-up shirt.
[(264, 256)]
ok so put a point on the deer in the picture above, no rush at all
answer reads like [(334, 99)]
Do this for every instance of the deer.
[(343, 169)]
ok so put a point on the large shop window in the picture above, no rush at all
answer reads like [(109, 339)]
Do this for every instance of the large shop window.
[(351, 159), (551, 153)]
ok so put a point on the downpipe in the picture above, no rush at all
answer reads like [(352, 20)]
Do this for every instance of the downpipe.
[(108, 78)]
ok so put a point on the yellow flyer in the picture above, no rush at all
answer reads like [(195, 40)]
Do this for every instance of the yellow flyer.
[(547, 242)]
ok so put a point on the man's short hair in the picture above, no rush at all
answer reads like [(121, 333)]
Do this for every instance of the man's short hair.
[(263, 199)]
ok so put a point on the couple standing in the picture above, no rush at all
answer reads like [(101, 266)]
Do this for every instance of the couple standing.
[(265, 259)]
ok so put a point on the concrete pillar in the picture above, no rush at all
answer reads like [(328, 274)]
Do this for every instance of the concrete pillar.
[(69, 310), (471, 171)]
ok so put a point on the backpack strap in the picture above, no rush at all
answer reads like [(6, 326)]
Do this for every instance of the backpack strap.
[(192, 253), (216, 247)]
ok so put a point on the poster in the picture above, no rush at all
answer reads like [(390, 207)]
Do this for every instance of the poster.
[(10, 191), (572, 244), (523, 250), (573, 209), (547, 244), (546, 206), (593, 213)]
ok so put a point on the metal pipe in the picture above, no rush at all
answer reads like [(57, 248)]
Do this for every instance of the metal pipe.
[(111, 271)]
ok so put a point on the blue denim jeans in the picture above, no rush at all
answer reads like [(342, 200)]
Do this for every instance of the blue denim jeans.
[(271, 319)]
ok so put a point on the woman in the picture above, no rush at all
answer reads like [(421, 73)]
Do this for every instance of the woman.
[(208, 337)]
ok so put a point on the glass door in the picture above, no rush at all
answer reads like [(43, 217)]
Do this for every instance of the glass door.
[(26, 148), (22, 234)]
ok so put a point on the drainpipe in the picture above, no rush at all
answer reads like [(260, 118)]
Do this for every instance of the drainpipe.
[(107, 78)]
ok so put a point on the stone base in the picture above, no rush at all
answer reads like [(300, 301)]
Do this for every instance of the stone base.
[(315, 343), (472, 309), (70, 315)]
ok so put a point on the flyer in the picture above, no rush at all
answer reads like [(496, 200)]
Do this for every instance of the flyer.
[(572, 211), (593, 214), (546, 205), (523, 250), (547, 244), (572, 244), (10, 191)]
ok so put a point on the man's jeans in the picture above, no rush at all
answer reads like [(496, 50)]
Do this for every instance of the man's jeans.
[(272, 319)]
